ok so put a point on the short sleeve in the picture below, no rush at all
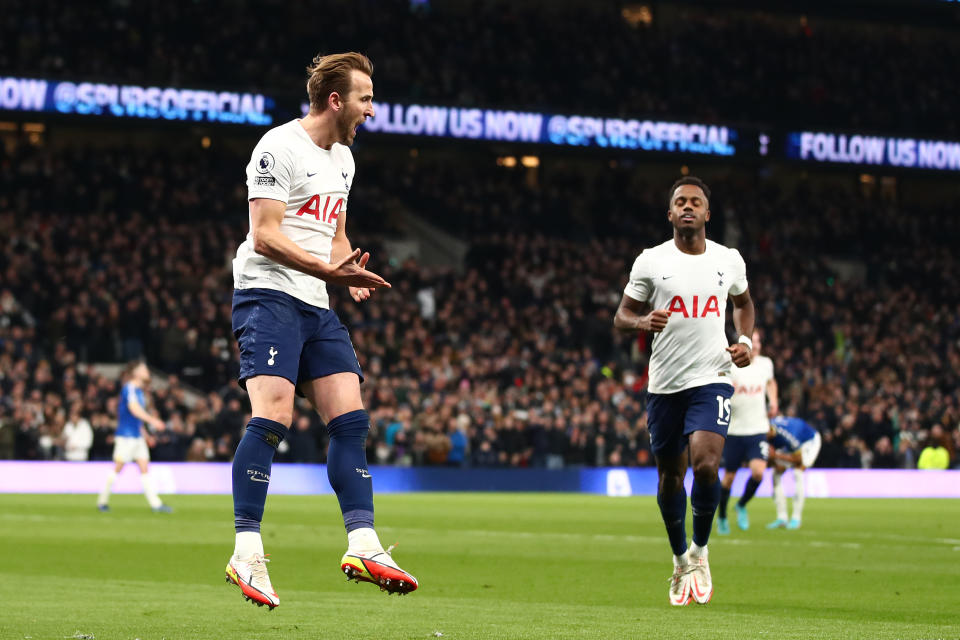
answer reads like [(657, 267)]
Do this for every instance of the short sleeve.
[(768, 364), (271, 170), (640, 286), (739, 267)]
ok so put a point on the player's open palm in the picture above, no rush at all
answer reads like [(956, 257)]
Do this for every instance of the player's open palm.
[(349, 271)]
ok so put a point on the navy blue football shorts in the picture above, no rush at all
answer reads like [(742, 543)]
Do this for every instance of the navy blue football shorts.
[(672, 417), (740, 449), (280, 335)]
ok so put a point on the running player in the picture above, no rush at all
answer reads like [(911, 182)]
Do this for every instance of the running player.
[(130, 443), (794, 443), (298, 181), (678, 290), (753, 388)]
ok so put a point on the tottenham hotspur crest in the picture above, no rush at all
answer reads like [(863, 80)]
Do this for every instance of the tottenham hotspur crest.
[(273, 352)]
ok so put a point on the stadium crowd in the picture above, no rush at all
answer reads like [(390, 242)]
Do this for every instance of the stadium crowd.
[(691, 62), (511, 362)]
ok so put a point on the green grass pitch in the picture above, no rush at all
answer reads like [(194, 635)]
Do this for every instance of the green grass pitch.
[(489, 565)]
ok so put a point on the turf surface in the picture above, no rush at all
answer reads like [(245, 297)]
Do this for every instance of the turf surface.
[(489, 565)]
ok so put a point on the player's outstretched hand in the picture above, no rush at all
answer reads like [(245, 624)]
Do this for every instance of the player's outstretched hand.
[(739, 354), (359, 294), (349, 272), (655, 321)]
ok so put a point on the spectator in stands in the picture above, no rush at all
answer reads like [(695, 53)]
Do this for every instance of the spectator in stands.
[(77, 435), (935, 454)]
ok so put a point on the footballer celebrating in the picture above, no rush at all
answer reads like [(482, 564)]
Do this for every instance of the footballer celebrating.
[(298, 180), (678, 291)]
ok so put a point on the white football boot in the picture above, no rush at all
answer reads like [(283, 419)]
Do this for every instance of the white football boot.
[(379, 568), (701, 584), (251, 576), (680, 581)]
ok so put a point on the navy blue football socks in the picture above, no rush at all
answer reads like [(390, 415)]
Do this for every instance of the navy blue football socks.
[(347, 468), (251, 471), (724, 499), (748, 491), (673, 508), (704, 499)]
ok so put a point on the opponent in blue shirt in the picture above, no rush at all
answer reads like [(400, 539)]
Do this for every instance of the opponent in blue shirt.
[(128, 425), (793, 443), (131, 441)]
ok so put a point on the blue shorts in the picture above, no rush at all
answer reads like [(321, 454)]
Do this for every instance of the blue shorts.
[(672, 417), (740, 449), (280, 335)]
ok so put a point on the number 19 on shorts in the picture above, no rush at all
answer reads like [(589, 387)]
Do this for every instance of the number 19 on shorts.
[(723, 410)]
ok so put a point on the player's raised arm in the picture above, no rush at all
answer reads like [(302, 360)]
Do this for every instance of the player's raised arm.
[(743, 318), (269, 241)]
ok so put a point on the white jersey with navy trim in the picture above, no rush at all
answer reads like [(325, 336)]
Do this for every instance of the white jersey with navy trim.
[(691, 350), (748, 406), (314, 183)]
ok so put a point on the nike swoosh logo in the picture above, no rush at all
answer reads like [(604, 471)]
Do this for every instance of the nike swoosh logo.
[(255, 479), (696, 588), (667, 277), (310, 175)]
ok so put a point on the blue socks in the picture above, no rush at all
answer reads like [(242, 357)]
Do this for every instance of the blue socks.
[(704, 499), (724, 499), (347, 468), (251, 471), (748, 491), (674, 511)]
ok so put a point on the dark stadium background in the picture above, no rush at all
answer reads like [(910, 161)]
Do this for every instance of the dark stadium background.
[(495, 348)]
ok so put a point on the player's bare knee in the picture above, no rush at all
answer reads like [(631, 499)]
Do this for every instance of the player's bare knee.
[(283, 416)]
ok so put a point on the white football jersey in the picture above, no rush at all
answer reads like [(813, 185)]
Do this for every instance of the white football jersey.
[(314, 183), (748, 406), (691, 350)]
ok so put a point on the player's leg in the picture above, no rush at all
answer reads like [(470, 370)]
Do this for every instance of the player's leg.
[(269, 329), (146, 481), (808, 454), (336, 398), (800, 492), (705, 450), (779, 498), (758, 464), (119, 459), (330, 378), (706, 421), (665, 422), (271, 404), (732, 457), (723, 525)]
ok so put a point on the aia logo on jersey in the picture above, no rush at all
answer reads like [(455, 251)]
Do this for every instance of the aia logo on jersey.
[(312, 207), (694, 310)]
